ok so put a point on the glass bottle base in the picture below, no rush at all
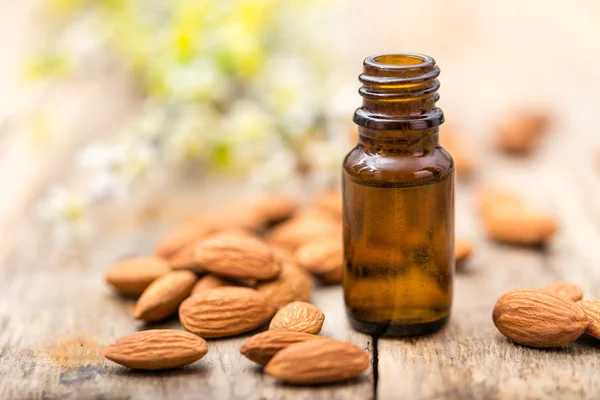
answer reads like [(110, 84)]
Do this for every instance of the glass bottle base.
[(397, 330)]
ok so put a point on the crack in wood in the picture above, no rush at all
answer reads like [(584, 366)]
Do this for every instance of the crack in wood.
[(375, 365)]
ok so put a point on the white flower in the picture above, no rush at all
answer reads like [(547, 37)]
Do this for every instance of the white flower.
[(99, 155), (325, 158), (66, 211), (186, 138), (200, 79), (279, 171), (288, 86), (249, 131)]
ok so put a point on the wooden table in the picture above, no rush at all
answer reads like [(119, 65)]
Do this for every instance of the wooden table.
[(56, 313)]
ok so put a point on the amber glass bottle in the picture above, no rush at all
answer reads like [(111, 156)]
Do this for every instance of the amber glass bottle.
[(398, 202)]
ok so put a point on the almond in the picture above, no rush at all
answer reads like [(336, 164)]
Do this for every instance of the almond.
[(162, 298), (508, 218), (298, 316), (262, 347), (132, 276), (539, 319), (318, 361), (566, 290), (209, 282), (235, 255), (520, 133), (183, 235), (592, 309), (524, 227), (304, 228), (331, 201), (270, 208), (292, 284), (463, 249), (323, 257), (185, 258), (156, 349), (490, 199), (225, 311)]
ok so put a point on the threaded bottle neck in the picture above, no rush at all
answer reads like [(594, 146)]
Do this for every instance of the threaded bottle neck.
[(399, 92)]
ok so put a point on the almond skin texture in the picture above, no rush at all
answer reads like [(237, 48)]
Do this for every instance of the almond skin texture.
[(537, 318), (566, 290), (592, 309), (463, 249), (323, 258), (292, 284), (262, 347), (235, 255), (162, 298), (132, 276), (225, 311), (156, 349), (298, 316), (318, 361)]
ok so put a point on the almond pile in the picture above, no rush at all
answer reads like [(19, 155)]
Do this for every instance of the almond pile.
[(553, 316), (232, 271)]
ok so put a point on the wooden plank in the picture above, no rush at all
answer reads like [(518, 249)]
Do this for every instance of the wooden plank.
[(57, 313)]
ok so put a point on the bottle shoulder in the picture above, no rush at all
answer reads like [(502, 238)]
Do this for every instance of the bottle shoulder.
[(366, 165)]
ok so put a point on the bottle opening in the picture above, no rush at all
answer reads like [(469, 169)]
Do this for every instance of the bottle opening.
[(398, 60), (399, 91)]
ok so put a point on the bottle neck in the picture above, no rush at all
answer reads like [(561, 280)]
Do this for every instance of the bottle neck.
[(404, 141), (399, 96)]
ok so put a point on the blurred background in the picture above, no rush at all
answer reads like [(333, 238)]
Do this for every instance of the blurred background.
[(122, 102)]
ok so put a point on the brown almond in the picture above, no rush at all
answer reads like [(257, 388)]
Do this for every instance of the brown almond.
[(490, 199), (132, 276), (262, 347), (208, 282), (225, 311), (292, 284), (463, 249), (323, 257), (566, 290), (185, 258), (304, 228), (156, 349), (539, 319), (331, 201), (520, 133), (526, 226), (271, 208), (183, 235), (592, 309), (298, 316), (318, 361), (235, 255), (162, 298)]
